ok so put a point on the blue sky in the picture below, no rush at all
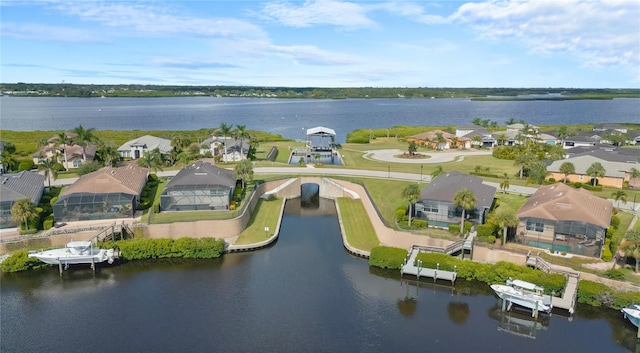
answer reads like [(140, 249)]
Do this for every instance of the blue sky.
[(323, 43)]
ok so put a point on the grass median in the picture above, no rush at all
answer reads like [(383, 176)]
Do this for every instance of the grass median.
[(358, 228), (266, 214)]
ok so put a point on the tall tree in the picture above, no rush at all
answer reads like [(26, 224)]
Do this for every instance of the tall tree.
[(465, 199), (567, 168), (62, 139), (241, 133), (595, 171), (538, 172), (439, 170), (411, 193), (525, 160), (631, 246), (504, 186), (618, 196), (8, 161), (244, 171), (23, 211), (83, 138), (107, 153), (505, 217), (151, 160), (49, 171), (224, 130)]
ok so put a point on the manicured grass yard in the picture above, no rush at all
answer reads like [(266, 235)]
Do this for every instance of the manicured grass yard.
[(357, 225), (266, 214)]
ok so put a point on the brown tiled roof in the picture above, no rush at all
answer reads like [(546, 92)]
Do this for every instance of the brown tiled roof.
[(430, 135), (559, 202), (129, 180)]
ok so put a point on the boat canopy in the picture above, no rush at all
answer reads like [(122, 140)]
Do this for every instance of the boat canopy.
[(525, 285)]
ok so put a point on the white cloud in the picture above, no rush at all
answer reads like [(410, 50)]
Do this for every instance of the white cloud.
[(321, 12), (597, 32), (34, 31)]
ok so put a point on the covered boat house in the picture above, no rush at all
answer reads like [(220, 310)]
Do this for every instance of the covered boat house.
[(320, 147)]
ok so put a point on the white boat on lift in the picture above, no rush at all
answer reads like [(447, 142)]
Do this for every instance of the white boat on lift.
[(632, 312), (524, 294), (75, 252)]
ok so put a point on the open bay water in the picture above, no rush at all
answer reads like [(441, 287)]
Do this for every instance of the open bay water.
[(303, 294), (291, 117)]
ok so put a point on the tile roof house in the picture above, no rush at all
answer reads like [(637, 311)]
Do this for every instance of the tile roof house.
[(15, 186), (136, 148), (75, 153), (561, 217), (200, 186), (432, 139), (616, 173), (104, 194), (436, 199)]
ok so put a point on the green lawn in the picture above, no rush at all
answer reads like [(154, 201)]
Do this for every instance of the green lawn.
[(357, 225), (266, 214)]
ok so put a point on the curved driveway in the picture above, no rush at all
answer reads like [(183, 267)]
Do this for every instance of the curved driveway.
[(435, 157)]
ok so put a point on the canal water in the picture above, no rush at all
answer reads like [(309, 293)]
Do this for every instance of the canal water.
[(303, 294)]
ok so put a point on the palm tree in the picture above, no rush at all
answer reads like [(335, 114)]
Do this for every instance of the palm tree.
[(49, 171), (8, 161), (595, 171), (502, 138), (525, 160), (244, 171), (23, 211), (83, 138), (467, 200), (504, 186), (567, 168), (107, 153), (240, 133), (440, 140), (505, 217), (151, 160), (411, 193), (439, 170), (177, 142), (538, 172), (618, 196), (224, 130), (633, 174), (62, 139), (631, 246)]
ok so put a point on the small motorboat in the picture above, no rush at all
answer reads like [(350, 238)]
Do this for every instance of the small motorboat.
[(525, 294), (75, 252), (632, 312)]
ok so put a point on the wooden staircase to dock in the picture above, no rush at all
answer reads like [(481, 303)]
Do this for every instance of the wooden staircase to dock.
[(568, 299)]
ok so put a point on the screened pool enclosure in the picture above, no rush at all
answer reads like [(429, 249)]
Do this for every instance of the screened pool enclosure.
[(89, 206), (196, 197)]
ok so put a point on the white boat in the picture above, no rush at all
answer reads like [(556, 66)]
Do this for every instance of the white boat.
[(524, 294), (75, 252), (632, 312)]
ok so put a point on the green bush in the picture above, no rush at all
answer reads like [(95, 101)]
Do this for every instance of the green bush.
[(614, 273), (401, 213), (152, 177), (419, 223), (606, 250), (87, 168), (467, 226), (454, 229), (484, 230), (149, 248), (53, 201), (20, 261), (58, 167), (48, 222), (615, 222), (26, 164), (387, 257)]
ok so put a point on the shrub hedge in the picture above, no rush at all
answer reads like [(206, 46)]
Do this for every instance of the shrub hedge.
[(592, 293), (20, 261), (149, 248), (387, 257)]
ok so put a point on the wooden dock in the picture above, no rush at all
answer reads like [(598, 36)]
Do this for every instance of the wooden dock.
[(569, 296), (415, 268)]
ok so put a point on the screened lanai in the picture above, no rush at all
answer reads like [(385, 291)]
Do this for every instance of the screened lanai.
[(89, 206), (200, 186)]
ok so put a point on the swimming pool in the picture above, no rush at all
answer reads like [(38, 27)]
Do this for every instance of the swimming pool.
[(541, 244)]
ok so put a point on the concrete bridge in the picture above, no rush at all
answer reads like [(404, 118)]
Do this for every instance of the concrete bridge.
[(292, 188)]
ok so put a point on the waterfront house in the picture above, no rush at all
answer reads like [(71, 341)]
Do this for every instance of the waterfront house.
[(76, 153), (616, 172), (15, 186), (107, 193), (137, 147), (436, 199), (236, 149), (200, 186), (564, 218), (439, 140)]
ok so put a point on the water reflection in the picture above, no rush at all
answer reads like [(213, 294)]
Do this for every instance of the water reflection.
[(517, 322)]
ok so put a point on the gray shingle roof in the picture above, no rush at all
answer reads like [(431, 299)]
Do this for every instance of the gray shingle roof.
[(582, 163), (203, 174), (16, 186), (445, 186), (151, 143)]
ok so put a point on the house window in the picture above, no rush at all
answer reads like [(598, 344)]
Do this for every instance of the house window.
[(535, 226), (77, 164), (431, 207), (581, 177)]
